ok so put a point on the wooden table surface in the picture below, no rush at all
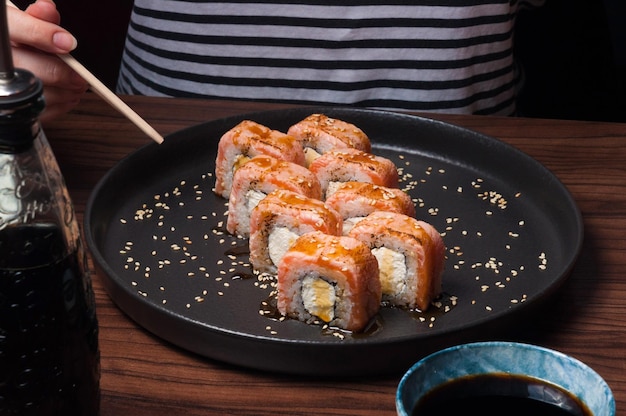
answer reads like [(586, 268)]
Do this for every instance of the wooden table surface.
[(143, 375)]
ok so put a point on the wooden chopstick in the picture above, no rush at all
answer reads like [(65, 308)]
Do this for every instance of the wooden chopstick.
[(105, 93)]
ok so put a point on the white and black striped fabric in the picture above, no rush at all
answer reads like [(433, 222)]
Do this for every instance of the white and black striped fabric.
[(423, 55)]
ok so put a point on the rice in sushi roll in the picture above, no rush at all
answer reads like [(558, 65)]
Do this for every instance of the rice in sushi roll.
[(411, 256), (279, 219), (337, 166), (356, 200), (246, 140), (320, 134), (331, 279), (258, 177)]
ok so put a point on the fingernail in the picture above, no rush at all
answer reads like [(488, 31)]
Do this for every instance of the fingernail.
[(64, 41)]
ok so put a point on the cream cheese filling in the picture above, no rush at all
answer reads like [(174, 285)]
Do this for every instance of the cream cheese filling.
[(349, 223), (319, 297), (392, 267), (254, 197), (279, 241)]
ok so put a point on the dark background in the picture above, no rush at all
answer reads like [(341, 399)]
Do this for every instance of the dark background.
[(573, 53), (574, 56), (100, 27)]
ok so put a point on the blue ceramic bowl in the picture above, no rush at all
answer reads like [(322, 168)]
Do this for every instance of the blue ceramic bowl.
[(505, 357)]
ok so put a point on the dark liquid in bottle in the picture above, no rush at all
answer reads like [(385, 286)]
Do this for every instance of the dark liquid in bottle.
[(500, 394), (49, 356)]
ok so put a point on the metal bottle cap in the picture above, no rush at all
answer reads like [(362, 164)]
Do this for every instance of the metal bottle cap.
[(21, 97), (17, 86)]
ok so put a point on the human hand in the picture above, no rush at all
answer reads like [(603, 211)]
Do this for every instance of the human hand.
[(36, 38)]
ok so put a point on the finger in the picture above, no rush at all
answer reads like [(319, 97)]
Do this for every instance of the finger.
[(49, 68), (58, 102), (26, 29), (44, 10), (59, 97)]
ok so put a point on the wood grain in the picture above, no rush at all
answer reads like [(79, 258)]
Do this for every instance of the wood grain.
[(143, 375)]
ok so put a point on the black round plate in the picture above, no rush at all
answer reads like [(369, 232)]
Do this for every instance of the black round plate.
[(156, 231)]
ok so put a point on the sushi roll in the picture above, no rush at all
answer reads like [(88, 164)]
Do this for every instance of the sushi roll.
[(355, 200), (279, 219), (337, 166), (320, 133), (331, 279), (411, 256), (258, 177), (246, 140)]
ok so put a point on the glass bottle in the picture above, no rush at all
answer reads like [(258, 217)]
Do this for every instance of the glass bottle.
[(49, 354)]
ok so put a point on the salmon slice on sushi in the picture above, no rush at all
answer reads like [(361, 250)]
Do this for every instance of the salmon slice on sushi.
[(258, 177), (411, 256), (337, 166), (246, 140), (356, 200), (320, 133), (330, 279), (279, 219)]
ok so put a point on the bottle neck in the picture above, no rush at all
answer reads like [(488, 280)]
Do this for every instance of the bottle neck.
[(21, 103), (20, 126)]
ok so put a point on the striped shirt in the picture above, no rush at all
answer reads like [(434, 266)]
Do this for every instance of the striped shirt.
[(452, 56)]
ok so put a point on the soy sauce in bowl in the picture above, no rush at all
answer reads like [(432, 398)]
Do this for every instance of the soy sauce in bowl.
[(499, 394), (502, 378)]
